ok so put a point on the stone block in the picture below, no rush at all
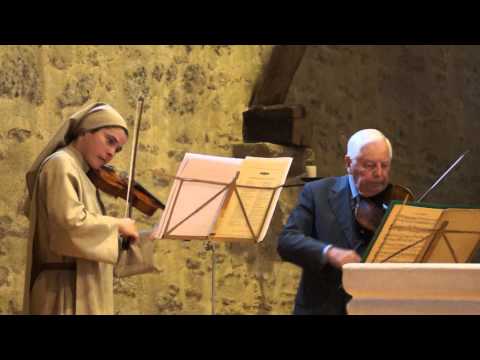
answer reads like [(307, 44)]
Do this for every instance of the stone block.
[(279, 124)]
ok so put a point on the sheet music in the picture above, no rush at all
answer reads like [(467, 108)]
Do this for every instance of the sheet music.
[(405, 226), (191, 195), (259, 203)]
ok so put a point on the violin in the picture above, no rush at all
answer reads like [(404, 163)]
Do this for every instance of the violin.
[(369, 211), (108, 181)]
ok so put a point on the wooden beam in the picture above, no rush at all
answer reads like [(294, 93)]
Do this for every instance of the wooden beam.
[(272, 87)]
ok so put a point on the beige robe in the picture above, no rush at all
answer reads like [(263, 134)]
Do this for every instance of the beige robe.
[(69, 226)]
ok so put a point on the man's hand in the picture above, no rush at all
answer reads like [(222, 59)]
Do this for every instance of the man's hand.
[(338, 257)]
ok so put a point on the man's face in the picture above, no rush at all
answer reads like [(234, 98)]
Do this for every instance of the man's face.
[(371, 168), (98, 148)]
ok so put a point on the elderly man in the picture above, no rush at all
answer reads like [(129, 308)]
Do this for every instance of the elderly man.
[(322, 234)]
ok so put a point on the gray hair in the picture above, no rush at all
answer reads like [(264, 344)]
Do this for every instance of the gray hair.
[(363, 137)]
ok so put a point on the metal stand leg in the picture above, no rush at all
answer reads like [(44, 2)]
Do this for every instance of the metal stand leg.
[(210, 246)]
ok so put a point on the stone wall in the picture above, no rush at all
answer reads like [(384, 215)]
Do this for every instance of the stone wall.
[(194, 99), (422, 97)]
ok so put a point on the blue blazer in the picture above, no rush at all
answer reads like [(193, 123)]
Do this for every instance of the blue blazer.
[(322, 216)]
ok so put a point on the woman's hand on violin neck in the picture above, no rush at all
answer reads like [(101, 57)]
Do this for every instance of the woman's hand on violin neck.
[(128, 229), (338, 257)]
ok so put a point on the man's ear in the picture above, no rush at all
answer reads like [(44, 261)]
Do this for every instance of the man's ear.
[(348, 163)]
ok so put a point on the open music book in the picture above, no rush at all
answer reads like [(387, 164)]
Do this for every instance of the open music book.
[(419, 232), (223, 198)]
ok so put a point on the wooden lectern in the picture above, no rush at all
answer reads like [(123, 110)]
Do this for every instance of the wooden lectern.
[(412, 289)]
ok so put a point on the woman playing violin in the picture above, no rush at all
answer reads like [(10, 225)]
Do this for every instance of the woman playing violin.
[(322, 233), (73, 246)]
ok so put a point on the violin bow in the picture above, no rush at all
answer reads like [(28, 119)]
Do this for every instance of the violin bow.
[(133, 157), (443, 175)]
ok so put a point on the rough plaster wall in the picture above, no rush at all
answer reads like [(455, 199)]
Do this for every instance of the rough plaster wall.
[(424, 98)]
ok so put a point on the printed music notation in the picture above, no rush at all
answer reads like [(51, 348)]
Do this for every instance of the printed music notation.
[(412, 233)]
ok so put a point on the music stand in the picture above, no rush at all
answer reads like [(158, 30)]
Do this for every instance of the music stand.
[(229, 189)]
